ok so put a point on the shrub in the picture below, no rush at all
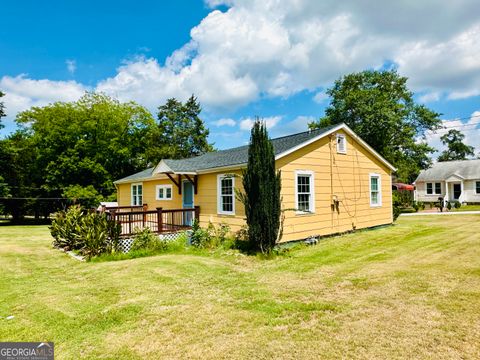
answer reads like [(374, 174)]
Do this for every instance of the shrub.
[(415, 206), (396, 212), (65, 228), (88, 232), (146, 240), (98, 234), (211, 237), (449, 205), (241, 239), (396, 205)]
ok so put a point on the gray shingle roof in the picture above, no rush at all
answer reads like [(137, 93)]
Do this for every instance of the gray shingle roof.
[(468, 169), (229, 157)]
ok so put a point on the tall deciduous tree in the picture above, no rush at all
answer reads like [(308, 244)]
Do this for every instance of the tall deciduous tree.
[(261, 197), (92, 141), (456, 148), (378, 106), (181, 131)]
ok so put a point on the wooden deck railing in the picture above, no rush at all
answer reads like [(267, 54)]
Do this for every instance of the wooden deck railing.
[(159, 220)]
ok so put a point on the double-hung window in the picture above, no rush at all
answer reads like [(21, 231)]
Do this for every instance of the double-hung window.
[(375, 190), (304, 192), (434, 188), (137, 194), (226, 194), (164, 192), (477, 187)]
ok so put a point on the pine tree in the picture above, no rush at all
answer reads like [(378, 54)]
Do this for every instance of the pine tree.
[(262, 184), (182, 133)]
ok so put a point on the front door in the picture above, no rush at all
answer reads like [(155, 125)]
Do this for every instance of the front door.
[(457, 191), (187, 202)]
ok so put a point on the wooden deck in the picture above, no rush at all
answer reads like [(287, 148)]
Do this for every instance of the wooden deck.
[(159, 221)]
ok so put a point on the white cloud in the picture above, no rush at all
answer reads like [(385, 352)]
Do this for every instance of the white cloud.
[(320, 97), (247, 124), (470, 128), (271, 48), (297, 125), (430, 97), (276, 48), (22, 93), (225, 122), (71, 66), (450, 66)]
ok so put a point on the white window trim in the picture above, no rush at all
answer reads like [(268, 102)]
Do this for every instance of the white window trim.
[(131, 193), (342, 136), (312, 191), (220, 177), (370, 176), (165, 187), (434, 192)]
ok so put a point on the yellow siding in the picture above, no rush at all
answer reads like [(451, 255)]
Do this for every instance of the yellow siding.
[(207, 199), (149, 195), (349, 182)]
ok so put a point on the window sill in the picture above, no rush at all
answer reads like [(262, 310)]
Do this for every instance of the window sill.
[(304, 213)]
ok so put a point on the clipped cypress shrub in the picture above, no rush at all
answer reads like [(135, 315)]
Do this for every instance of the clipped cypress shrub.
[(261, 197)]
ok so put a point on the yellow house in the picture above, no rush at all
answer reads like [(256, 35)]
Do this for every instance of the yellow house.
[(332, 182)]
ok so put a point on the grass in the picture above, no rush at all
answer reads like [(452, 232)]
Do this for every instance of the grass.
[(468, 208), (407, 291)]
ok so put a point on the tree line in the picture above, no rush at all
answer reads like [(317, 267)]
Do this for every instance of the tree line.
[(76, 150)]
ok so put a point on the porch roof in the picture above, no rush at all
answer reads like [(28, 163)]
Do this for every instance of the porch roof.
[(441, 171)]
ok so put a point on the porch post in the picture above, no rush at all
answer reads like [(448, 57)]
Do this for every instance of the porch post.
[(460, 198), (197, 213), (445, 200)]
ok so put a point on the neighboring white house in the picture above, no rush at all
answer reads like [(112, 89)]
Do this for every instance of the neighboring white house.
[(451, 180)]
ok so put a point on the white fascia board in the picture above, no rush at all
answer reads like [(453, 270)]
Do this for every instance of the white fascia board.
[(331, 131)]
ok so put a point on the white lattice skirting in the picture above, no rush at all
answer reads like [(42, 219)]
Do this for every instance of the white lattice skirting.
[(124, 245)]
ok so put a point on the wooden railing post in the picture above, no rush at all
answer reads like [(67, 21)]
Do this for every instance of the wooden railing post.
[(145, 207), (130, 223), (197, 213), (159, 219)]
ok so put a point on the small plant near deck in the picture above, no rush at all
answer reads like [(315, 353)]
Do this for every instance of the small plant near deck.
[(89, 233), (65, 228), (145, 239), (449, 205), (212, 237), (98, 234), (457, 205)]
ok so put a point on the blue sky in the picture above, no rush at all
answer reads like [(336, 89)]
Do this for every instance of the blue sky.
[(242, 59)]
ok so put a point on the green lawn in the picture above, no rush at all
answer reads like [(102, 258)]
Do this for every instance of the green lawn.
[(468, 208), (407, 291)]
